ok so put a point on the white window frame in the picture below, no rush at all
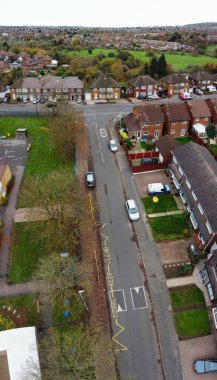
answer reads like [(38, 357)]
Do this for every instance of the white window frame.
[(214, 313), (200, 208), (194, 196), (188, 183), (180, 170), (209, 227), (193, 221), (175, 160), (182, 132), (173, 132)]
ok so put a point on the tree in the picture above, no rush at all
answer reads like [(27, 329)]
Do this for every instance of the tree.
[(117, 70), (154, 68), (90, 50), (123, 55), (211, 131), (162, 66)]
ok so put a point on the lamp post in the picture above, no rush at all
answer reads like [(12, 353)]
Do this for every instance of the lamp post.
[(83, 300), (36, 106)]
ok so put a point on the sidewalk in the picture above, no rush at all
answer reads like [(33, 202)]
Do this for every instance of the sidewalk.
[(165, 213), (180, 281)]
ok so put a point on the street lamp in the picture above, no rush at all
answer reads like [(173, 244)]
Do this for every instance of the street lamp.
[(36, 106), (82, 298)]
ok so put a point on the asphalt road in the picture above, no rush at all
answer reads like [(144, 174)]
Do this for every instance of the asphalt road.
[(131, 312)]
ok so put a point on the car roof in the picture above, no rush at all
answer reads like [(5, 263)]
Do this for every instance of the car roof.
[(131, 203), (88, 174), (112, 141)]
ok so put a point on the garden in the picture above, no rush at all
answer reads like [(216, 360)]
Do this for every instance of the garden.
[(170, 227), (165, 203)]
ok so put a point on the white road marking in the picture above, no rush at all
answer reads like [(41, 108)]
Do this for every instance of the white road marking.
[(112, 296), (103, 132), (138, 289), (97, 133)]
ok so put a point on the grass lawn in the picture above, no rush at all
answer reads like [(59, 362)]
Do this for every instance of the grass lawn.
[(169, 227), (213, 148), (23, 305), (165, 203), (178, 61), (75, 309), (184, 140), (191, 296), (26, 250), (192, 323)]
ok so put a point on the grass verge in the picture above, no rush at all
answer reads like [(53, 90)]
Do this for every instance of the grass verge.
[(171, 227), (165, 203)]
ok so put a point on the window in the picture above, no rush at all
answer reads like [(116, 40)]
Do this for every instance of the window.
[(209, 227), (174, 122), (188, 184), (214, 312), (109, 89), (205, 118), (109, 95), (102, 90), (184, 122), (175, 160), (145, 133), (200, 208), (193, 221), (180, 170), (197, 119), (156, 134), (194, 196), (143, 87), (173, 131), (203, 241), (158, 123), (182, 132), (146, 124)]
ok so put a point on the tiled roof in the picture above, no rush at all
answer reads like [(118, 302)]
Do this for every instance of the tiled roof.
[(142, 80), (150, 113), (198, 108), (28, 82), (200, 168), (165, 144), (200, 76), (174, 78), (62, 83), (105, 82), (177, 112), (131, 123)]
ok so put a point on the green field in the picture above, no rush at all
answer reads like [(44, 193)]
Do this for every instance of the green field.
[(169, 227), (165, 203), (178, 61), (191, 296), (26, 251), (192, 323)]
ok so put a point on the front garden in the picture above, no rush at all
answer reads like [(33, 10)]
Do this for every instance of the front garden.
[(170, 227), (165, 203)]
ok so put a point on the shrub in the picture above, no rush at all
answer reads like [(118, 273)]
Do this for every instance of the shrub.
[(6, 323), (4, 200)]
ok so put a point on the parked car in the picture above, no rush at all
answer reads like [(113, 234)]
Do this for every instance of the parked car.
[(112, 145), (205, 366), (25, 101), (149, 160), (132, 210), (35, 101), (90, 179), (158, 189), (142, 97), (154, 96), (197, 91), (51, 104), (79, 101), (185, 96), (42, 101), (211, 89)]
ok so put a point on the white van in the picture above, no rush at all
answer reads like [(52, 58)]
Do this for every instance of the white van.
[(211, 88), (157, 189)]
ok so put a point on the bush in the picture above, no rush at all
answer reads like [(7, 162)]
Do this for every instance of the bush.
[(6, 323), (4, 200)]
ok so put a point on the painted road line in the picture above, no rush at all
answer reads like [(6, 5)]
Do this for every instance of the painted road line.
[(100, 147), (103, 132), (119, 297), (138, 297)]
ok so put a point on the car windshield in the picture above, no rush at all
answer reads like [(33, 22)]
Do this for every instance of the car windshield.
[(90, 177), (113, 145), (210, 366), (133, 210)]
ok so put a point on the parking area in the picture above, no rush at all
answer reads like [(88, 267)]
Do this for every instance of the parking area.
[(199, 348), (14, 152), (172, 252), (143, 179)]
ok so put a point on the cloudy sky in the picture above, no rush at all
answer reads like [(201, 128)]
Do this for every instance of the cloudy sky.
[(110, 13)]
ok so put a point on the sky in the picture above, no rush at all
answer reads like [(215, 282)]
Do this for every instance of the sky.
[(110, 13)]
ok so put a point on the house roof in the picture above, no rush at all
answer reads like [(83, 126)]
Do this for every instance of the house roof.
[(131, 123), (2, 169), (4, 65), (28, 82), (165, 144), (61, 83), (177, 112), (7, 53), (105, 82), (142, 80), (149, 113), (198, 108), (174, 78), (200, 168), (200, 76)]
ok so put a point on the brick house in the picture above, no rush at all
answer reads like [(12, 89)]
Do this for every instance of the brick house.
[(142, 85), (164, 145), (212, 104), (193, 171), (26, 89), (199, 112), (177, 119), (150, 118), (174, 84), (132, 127), (57, 88), (23, 57), (201, 79), (208, 274), (5, 178), (7, 56), (105, 88)]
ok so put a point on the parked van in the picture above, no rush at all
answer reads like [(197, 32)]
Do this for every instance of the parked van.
[(157, 189), (211, 88)]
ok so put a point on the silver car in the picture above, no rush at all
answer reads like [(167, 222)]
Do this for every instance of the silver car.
[(205, 366)]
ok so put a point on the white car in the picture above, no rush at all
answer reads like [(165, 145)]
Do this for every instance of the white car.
[(132, 210), (112, 145), (154, 96)]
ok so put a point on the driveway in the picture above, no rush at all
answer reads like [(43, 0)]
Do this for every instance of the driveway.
[(174, 251), (143, 179), (198, 348)]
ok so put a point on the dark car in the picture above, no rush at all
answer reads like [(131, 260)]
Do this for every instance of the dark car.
[(205, 366), (90, 179), (142, 97), (149, 160)]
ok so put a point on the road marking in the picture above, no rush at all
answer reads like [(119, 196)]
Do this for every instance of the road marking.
[(138, 297), (119, 297), (97, 133), (103, 132)]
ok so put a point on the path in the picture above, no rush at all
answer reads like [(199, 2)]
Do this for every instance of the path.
[(165, 213)]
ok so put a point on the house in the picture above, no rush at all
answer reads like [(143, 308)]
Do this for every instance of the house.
[(150, 118), (199, 112), (23, 57), (2, 86), (212, 104), (132, 127), (164, 145), (177, 119), (105, 88), (174, 84), (208, 274), (7, 56), (57, 88), (25, 89), (201, 79), (5, 178), (4, 67), (142, 85), (18, 351), (193, 171)]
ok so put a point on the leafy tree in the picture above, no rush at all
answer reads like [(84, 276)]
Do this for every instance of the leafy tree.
[(117, 70), (146, 69), (5, 45), (154, 68), (90, 50), (211, 131), (123, 55), (101, 56), (111, 54), (162, 66)]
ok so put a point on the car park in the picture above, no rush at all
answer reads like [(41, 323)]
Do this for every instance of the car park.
[(205, 366), (132, 210), (90, 179), (149, 160), (158, 189), (112, 145)]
